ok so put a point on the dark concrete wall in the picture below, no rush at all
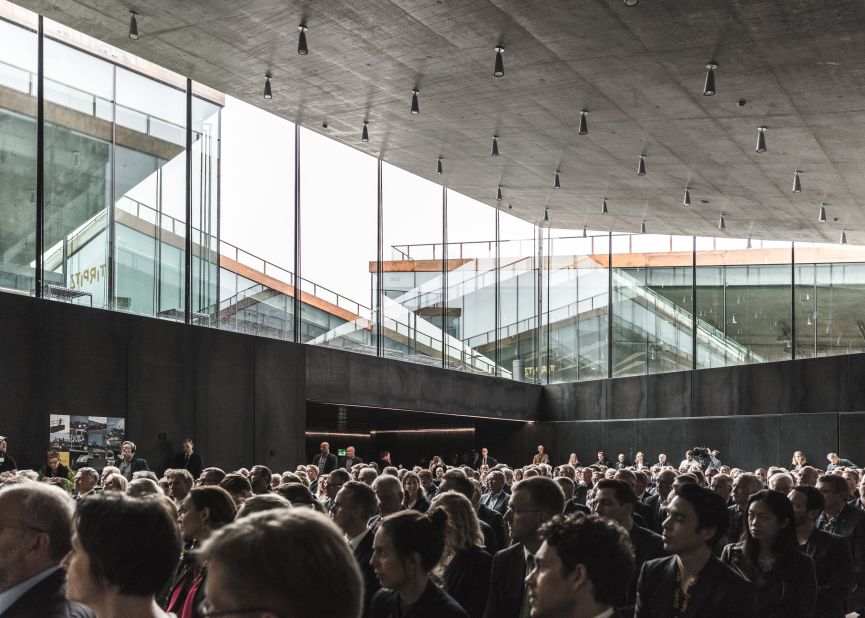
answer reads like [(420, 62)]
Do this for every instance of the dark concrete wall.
[(243, 398), (756, 415)]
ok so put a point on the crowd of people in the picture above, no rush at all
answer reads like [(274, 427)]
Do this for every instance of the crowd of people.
[(346, 539)]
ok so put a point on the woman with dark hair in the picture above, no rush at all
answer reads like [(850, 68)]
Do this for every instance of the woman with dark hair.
[(415, 495), (203, 510), (407, 546), (124, 551), (768, 556)]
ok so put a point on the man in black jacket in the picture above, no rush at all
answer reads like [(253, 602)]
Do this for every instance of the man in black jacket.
[(325, 461), (833, 561), (188, 459), (35, 535), (838, 517), (579, 568), (350, 459), (697, 518), (615, 500), (7, 463), (484, 459), (129, 464), (355, 503), (533, 502)]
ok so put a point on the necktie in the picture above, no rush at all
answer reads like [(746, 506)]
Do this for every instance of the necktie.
[(525, 607)]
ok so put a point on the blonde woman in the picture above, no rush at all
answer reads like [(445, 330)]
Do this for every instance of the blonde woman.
[(464, 568)]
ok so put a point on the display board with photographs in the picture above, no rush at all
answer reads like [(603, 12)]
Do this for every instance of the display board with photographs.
[(92, 441)]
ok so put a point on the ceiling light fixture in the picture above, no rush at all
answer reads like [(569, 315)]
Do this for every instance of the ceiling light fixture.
[(797, 184), (604, 210), (499, 70), (584, 124), (722, 225), (439, 170), (268, 93), (364, 136), (133, 26), (709, 88), (641, 166), (585, 232), (302, 49), (843, 235), (748, 244), (761, 139), (495, 150), (499, 193), (821, 216), (643, 226), (415, 108), (546, 214), (630, 3), (556, 183), (686, 201)]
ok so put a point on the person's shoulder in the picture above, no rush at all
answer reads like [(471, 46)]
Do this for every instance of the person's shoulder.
[(445, 605), (509, 553), (656, 567)]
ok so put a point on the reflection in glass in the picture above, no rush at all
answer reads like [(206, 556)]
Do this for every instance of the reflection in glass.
[(18, 60)]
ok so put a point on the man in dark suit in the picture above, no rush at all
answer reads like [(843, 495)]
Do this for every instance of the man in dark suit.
[(615, 500), (496, 498), (129, 463), (838, 517), (656, 501), (558, 588), (603, 460), (533, 502), (35, 535), (833, 562), (325, 461), (355, 503), (697, 519), (188, 459), (485, 459), (350, 459)]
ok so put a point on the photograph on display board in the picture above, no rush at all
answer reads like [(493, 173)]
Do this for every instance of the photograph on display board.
[(92, 441)]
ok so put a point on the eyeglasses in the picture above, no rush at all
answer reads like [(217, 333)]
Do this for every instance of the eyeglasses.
[(207, 611)]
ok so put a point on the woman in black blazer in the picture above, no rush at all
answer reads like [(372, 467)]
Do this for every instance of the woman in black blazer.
[(407, 546), (415, 496), (464, 568), (768, 556)]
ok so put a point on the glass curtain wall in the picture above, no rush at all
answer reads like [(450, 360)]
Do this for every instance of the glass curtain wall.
[(339, 248), (149, 194), (256, 280), (471, 283), (576, 307), (413, 320), (652, 304), (830, 286), (78, 185), (519, 335), (744, 309), (18, 84)]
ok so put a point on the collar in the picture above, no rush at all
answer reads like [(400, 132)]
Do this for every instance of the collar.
[(11, 596), (607, 613), (355, 541), (526, 554)]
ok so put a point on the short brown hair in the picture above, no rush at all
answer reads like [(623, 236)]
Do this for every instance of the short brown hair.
[(289, 561)]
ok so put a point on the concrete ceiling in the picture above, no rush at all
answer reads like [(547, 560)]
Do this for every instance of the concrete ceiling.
[(798, 65)]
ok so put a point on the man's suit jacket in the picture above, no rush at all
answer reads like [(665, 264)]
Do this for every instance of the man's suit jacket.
[(833, 563), (363, 554), (348, 462), (572, 506), (194, 465), (491, 461), (329, 464), (495, 520), (850, 524), (47, 599), (541, 459), (136, 465), (718, 593), (499, 502), (647, 546), (580, 492), (507, 583)]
